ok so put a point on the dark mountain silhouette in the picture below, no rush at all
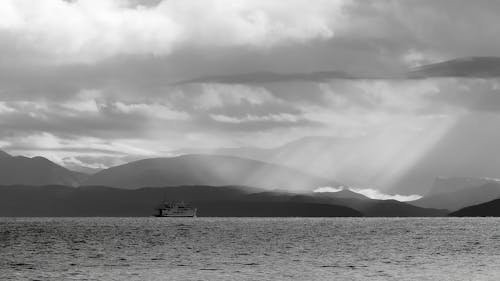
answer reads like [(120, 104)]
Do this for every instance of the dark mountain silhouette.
[(488, 209), (35, 171), (462, 198), (105, 201), (481, 67), (212, 170), (384, 208), (210, 200)]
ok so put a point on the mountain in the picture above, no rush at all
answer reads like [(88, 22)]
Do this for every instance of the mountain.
[(488, 209), (212, 170), (470, 195), (316, 155), (480, 67), (35, 171), (232, 201)]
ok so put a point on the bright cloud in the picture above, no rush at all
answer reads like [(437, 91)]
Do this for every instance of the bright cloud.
[(252, 118), (328, 189), (4, 108), (377, 194), (371, 193), (153, 110), (90, 30), (216, 96)]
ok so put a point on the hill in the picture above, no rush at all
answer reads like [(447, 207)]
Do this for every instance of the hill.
[(226, 201), (214, 170), (488, 209), (235, 201), (35, 171)]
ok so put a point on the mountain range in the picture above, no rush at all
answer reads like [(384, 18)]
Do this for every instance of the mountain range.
[(210, 200), (264, 183), (215, 170)]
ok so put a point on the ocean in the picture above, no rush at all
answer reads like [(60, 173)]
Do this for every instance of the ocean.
[(249, 249)]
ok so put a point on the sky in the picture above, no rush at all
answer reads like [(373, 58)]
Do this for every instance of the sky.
[(97, 83)]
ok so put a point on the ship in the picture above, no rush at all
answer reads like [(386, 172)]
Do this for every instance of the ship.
[(175, 209)]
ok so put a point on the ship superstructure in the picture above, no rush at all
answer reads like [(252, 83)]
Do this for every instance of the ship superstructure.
[(175, 209)]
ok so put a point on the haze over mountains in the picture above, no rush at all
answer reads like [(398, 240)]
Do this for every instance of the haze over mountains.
[(370, 161), (207, 170)]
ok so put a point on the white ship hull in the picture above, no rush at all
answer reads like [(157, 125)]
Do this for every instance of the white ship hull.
[(176, 210), (184, 214)]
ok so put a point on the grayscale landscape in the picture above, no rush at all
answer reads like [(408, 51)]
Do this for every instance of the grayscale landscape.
[(249, 140)]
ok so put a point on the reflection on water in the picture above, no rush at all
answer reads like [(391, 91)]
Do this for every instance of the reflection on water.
[(249, 249)]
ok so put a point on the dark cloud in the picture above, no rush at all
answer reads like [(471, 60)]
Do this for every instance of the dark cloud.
[(270, 77)]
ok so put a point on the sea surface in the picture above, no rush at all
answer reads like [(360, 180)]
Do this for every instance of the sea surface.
[(249, 249)]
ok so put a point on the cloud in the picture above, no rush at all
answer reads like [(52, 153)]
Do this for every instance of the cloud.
[(328, 189), (4, 108), (377, 194), (287, 118), (210, 96), (271, 77), (371, 193), (90, 30), (153, 110)]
